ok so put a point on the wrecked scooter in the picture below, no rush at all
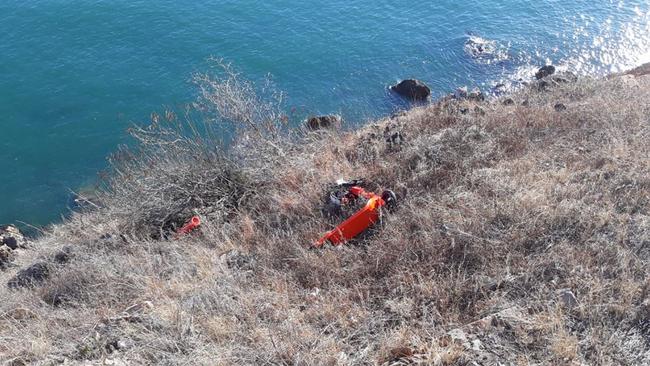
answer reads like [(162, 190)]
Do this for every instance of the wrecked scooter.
[(346, 194)]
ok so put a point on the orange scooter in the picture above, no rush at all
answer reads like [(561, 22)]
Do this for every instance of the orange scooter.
[(367, 216)]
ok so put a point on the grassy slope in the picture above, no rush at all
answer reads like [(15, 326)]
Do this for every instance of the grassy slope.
[(503, 211)]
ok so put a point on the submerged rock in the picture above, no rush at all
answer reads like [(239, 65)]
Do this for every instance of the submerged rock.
[(478, 47), (486, 51), (413, 89), (323, 122), (545, 71)]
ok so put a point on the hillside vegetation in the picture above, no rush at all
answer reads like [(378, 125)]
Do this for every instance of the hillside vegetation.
[(522, 236)]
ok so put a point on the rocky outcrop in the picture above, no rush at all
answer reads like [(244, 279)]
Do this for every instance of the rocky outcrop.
[(30, 276), (413, 89), (544, 71), (554, 80), (324, 122), (640, 71), (10, 239)]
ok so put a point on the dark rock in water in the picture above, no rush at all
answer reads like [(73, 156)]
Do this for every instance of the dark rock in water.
[(413, 89), (545, 71), (30, 276), (508, 101), (63, 256), (11, 242), (560, 107), (485, 50), (322, 122)]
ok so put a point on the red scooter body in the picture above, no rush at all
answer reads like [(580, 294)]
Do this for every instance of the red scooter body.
[(357, 223)]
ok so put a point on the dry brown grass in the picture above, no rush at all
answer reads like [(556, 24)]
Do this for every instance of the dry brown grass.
[(499, 212)]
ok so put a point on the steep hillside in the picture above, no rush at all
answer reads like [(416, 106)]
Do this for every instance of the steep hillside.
[(522, 236)]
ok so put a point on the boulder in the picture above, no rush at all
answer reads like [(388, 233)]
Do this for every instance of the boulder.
[(30, 276), (544, 71), (508, 101), (559, 107), (412, 89), (12, 237), (11, 242), (323, 122)]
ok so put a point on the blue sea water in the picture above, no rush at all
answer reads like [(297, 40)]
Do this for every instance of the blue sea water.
[(74, 74)]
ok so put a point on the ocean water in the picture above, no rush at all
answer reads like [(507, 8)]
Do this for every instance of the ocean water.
[(74, 74)]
